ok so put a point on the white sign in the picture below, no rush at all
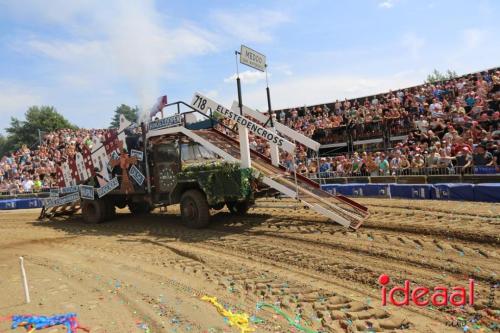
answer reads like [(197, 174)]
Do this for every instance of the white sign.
[(284, 130), (61, 201), (203, 103), (252, 58), (165, 122), (87, 192), (110, 186), (136, 175), (69, 189), (137, 153)]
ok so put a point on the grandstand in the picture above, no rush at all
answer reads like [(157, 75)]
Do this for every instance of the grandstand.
[(443, 128), (448, 128)]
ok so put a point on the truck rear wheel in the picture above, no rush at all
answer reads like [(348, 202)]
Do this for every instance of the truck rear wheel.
[(137, 208), (238, 207), (195, 211), (93, 211)]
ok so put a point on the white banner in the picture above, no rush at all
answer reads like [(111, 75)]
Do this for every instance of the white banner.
[(62, 200), (165, 122), (136, 175), (87, 192), (110, 186), (137, 153), (203, 104), (69, 189), (283, 129), (252, 58)]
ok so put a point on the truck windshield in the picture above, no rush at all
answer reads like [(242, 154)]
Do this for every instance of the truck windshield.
[(195, 152)]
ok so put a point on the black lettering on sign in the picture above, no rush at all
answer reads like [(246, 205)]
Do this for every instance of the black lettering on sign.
[(200, 102)]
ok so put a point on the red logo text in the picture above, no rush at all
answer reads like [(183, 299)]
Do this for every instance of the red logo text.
[(423, 296)]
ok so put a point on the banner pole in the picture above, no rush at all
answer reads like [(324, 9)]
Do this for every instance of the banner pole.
[(25, 281), (242, 131)]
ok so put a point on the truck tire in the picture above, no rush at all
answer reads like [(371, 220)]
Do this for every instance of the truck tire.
[(138, 208), (195, 211), (93, 211), (238, 207)]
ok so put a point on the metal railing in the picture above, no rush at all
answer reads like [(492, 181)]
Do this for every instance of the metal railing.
[(13, 194), (424, 171)]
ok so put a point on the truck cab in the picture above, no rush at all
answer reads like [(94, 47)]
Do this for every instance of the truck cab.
[(180, 172)]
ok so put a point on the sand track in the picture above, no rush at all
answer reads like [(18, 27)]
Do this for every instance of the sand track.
[(151, 270)]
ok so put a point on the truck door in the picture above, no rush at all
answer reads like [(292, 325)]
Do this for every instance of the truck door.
[(166, 166)]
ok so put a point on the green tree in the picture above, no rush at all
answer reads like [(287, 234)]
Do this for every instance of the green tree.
[(38, 118), (129, 113), (437, 76), (5, 145)]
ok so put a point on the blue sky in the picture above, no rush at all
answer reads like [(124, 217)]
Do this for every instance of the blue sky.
[(85, 57)]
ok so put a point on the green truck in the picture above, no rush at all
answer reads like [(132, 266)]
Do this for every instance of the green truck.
[(180, 172)]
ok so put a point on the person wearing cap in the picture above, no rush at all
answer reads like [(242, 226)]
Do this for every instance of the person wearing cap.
[(481, 156), (417, 163)]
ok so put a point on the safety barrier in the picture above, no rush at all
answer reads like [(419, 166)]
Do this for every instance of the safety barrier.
[(487, 192), (14, 194), (20, 203)]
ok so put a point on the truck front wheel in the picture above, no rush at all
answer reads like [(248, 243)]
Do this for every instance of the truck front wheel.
[(194, 209), (93, 211)]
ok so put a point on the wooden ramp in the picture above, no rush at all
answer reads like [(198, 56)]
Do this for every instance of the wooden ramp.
[(338, 208)]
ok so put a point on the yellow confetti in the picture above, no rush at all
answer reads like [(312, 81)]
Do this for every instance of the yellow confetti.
[(239, 320)]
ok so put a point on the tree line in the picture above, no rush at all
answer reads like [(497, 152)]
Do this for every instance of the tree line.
[(43, 119)]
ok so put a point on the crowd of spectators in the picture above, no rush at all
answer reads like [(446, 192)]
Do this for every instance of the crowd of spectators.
[(450, 127), (28, 170)]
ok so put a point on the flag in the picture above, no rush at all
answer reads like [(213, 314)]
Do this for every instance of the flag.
[(162, 101), (111, 141), (74, 169), (60, 177)]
